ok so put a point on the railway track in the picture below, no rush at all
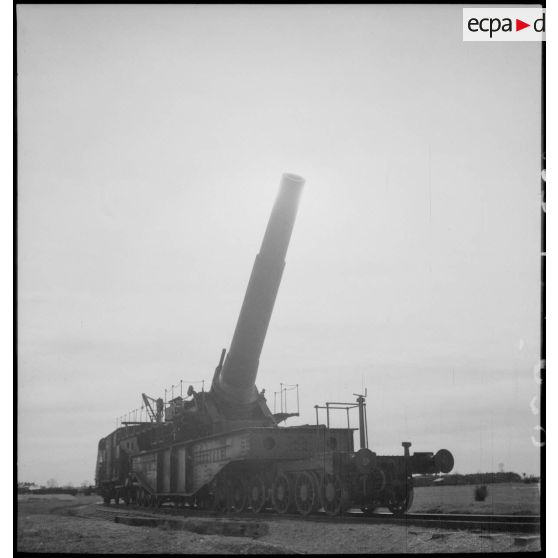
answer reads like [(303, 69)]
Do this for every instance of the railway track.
[(470, 522)]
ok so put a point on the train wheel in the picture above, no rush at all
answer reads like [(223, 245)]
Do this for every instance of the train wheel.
[(202, 501), (281, 493), (378, 480), (237, 494), (334, 495), (305, 493), (255, 488), (399, 503), (410, 497), (220, 500)]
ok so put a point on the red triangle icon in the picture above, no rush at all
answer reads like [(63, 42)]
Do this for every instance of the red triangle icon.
[(519, 25)]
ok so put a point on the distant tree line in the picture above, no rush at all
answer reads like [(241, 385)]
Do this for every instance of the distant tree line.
[(52, 487), (474, 478)]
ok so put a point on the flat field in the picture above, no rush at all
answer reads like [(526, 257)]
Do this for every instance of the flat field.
[(503, 499)]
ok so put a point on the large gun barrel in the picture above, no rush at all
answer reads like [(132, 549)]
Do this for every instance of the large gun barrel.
[(235, 381)]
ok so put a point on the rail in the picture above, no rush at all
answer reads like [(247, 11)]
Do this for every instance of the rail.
[(481, 522)]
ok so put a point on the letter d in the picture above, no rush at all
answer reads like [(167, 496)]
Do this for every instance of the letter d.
[(538, 26)]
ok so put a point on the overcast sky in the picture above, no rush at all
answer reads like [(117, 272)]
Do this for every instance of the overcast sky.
[(151, 144)]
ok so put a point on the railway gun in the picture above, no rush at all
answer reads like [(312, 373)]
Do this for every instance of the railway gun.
[(223, 449)]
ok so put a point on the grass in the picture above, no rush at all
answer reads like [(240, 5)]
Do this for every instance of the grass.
[(502, 499)]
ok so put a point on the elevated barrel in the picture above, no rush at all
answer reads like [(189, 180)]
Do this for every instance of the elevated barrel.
[(235, 382)]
